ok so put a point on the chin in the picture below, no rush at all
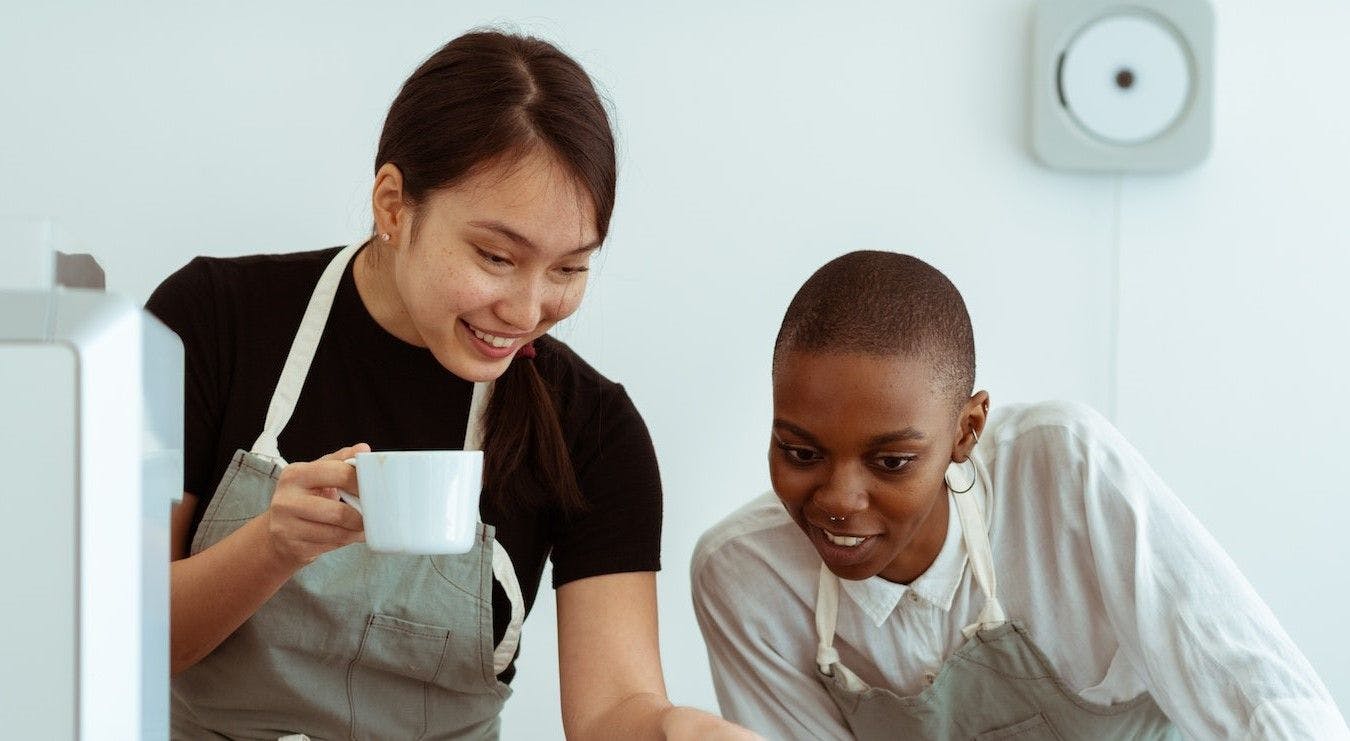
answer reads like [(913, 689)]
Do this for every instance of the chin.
[(484, 372), (858, 572), (470, 369)]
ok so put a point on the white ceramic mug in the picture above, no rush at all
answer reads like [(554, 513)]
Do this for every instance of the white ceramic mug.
[(421, 502)]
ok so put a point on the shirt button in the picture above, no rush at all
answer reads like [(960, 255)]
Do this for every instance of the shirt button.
[(929, 677), (911, 596)]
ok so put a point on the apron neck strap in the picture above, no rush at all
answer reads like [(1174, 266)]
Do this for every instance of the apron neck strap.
[(477, 425), (827, 612), (975, 534), (302, 354)]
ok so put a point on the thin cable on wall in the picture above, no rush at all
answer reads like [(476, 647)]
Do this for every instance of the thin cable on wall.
[(1117, 268)]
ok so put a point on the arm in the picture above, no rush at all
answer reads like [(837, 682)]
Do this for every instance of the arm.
[(767, 688), (610, 665), (1211, 653), (213, 592)]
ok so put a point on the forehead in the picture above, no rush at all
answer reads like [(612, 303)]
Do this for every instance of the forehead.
[(533, 195), (868, 392)]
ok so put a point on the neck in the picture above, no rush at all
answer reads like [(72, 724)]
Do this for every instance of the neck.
[(375, 284), (923, 550)]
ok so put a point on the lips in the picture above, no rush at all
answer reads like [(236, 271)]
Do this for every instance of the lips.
[(848, 541), (841, 550), (494, 346)]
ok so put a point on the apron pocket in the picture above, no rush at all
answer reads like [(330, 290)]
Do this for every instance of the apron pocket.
[(387, 681), (1035, 728)]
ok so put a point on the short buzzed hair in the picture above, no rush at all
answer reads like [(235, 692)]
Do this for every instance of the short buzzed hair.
[(884, 303)]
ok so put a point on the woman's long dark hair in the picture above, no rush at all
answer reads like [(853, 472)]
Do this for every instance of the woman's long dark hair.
[(485, 97)]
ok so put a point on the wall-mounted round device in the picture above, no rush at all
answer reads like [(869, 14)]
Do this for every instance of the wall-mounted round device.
[(1122, 85)]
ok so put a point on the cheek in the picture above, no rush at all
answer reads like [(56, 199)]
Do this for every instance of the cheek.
[(911, 502), (566, 300), (792, 485)]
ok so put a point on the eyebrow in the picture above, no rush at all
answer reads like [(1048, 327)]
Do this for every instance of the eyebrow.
[(522, 240), (794, 429), (909, 433)]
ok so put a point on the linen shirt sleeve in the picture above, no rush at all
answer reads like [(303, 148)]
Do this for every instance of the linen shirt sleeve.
[(763, 678), (1209, 650)]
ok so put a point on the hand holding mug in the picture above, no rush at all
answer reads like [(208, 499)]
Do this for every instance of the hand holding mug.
[(306, 518)]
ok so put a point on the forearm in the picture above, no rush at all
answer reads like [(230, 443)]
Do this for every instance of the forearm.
[(637, 716), (215, 591), (649, 715)]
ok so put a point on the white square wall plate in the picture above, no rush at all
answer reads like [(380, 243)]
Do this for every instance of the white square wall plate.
[(1122, 86)]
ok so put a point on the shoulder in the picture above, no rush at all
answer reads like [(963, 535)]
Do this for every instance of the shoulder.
[(219, 280), (756, 551), (586, 397), (563, 367), (1013, 421), (1063, 430), (1064, 452)]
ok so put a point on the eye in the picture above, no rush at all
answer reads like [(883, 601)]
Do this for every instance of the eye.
[(573, 270), (892, 463), (492, 258), (797, 454)]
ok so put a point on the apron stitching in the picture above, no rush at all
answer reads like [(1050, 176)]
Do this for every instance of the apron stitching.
[(351, 669), (486, 632), (268, 470), (447, 579), (440, 665), (997, 670), (426, 709), (925, 696), (205, 526), (226, 483), (413, 632), (1073, 697)]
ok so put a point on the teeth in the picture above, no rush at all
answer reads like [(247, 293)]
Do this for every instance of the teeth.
[(492, 339), (844, 540)]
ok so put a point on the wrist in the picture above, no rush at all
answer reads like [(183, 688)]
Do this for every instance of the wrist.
[(277, 563)]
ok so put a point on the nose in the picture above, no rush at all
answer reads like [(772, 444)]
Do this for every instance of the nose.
[(523, 305), (842, 494)]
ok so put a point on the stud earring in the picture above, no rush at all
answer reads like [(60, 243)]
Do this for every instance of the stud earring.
[(384, 236)]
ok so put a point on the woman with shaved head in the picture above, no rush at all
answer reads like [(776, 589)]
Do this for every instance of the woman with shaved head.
[(930, 568)]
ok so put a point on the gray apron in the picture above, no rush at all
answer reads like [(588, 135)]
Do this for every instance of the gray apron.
[(997, 685), (357, 645)]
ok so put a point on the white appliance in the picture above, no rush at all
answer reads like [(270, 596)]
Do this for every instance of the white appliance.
[(91, 415)]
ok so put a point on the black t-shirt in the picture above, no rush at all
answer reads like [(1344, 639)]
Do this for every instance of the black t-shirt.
[(237, 318)]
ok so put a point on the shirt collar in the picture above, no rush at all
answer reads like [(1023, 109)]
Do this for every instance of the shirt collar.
[(937, 586)]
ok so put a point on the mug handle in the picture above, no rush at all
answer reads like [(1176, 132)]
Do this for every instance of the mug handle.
[(349, 498)]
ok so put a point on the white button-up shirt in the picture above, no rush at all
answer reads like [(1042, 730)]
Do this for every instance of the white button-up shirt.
[(1116, 581)]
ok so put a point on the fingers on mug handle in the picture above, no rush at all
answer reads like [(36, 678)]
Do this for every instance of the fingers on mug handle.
[(347, 497)]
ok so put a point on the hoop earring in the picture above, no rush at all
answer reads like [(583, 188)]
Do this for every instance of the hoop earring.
[(969, 486)]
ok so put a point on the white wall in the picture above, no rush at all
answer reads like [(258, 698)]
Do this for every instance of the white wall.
[(757, 141)]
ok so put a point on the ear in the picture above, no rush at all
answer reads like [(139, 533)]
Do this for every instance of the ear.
[(392, 215), (969, 424)]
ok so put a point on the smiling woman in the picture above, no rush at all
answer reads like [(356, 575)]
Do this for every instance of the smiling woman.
[(1015, 573), (493, 186)]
